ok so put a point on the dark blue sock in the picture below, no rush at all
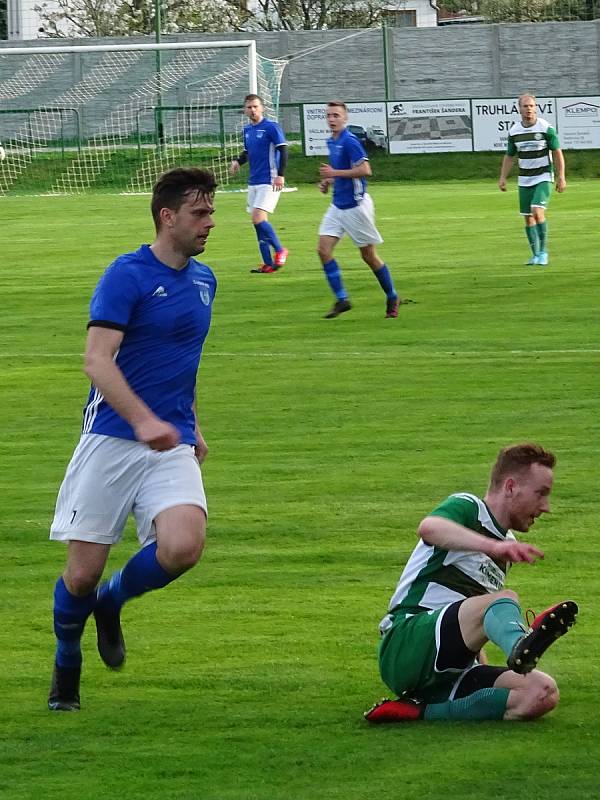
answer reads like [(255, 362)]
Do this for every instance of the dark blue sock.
[(263, 246), (268, 233), (334, 278), (141, 574), (70, 615), (385, 281)]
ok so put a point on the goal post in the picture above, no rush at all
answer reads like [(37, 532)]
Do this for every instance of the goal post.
[(114, 116)]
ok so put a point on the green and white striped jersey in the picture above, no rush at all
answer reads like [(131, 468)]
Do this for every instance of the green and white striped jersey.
[(533, 146), (434, 577)]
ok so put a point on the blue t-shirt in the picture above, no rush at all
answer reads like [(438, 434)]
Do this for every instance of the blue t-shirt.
[(165, 315), (261, 142), (346, 152)]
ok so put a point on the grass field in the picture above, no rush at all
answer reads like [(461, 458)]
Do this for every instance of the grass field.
[(329, 441)]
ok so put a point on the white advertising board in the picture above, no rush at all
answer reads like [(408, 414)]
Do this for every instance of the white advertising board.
[(493, 118), (578, 122), (365, 120), (429, 126)]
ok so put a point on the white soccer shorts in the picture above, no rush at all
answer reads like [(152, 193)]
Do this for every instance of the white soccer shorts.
[(108, 478), (262, 196), (357, 222)]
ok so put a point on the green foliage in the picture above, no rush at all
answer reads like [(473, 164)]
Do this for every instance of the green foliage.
[(329, 441)]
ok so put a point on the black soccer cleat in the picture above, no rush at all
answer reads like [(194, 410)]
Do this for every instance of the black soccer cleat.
[(339, 308), (546, 628), (64, 690), (111, 644)]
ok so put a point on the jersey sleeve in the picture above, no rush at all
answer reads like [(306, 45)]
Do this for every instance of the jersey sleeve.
[(552, 139), (356, 151), (114, 298), (511, 148), (277, 135), (457, 509)]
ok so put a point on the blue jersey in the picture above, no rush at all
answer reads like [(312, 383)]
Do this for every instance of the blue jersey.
[(346, 152), (165, 315), (261, 142)]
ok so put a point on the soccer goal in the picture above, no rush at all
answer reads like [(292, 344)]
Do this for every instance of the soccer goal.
[(113, 117)]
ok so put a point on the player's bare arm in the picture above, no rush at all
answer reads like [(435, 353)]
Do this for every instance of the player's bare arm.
[(507, 165), (449, 535), (559, 159), (362, 170), (100, 367)]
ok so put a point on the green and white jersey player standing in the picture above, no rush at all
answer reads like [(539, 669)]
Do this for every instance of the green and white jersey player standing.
[(535, 143)]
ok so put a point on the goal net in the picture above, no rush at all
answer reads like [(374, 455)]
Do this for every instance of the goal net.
[(114, 117)]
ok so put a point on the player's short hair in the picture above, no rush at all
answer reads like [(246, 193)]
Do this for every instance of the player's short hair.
[(518, 458), (250, 97), (524, 95), (173, 187), (339, 103)]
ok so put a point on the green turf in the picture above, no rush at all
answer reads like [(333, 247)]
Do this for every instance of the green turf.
[(329, 441)]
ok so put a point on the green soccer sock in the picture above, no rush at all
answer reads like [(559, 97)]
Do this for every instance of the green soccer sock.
[(484, 704), (542, 232), (503, 624), (532, 238)]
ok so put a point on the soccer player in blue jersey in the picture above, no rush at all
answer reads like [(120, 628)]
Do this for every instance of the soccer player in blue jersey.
[(141, 445), (266, 152), (351, 212)]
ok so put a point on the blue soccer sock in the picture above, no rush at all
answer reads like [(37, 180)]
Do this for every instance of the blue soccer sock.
[(483, 704), (70, 615), (385, 281), (532, 238), (141, 574), (268, 233), (334, 279), (263, 246), (542, 232), (503, 624)]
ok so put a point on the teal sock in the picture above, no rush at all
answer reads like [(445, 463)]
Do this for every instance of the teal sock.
[(532, 238), (483, 704), (503, 624), (542, 232)]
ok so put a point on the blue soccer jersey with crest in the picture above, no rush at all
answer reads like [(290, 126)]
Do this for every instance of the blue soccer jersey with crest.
[(347, 152), (165, 315), (261, 142)]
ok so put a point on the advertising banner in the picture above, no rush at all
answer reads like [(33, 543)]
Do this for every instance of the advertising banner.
[(492, 120), (429, 126), (578, 122), (367, 121)]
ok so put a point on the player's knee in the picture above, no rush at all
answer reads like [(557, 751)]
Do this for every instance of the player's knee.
[(81, 579), (507, 594), (181, 554), (539, 698), (324, 253)]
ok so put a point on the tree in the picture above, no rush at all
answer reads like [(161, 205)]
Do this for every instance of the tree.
[(137, 17)]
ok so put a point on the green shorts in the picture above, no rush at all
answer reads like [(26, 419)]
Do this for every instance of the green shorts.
[(530, 196), (424, 655)]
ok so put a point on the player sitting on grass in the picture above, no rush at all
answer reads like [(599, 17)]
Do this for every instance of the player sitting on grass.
[(450, 601)]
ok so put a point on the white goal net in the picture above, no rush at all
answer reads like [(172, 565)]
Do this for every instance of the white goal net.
[(113, 117)]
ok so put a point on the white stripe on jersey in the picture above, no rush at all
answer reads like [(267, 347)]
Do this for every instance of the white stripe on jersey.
[(91, 411)]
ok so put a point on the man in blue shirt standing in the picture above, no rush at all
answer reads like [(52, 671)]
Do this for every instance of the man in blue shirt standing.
[(351, 212), (266, 151), (141, 446)]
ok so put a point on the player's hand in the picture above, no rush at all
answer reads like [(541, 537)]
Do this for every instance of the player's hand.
[(502, 184), (561, 185), (278, 182), (324, 186), (326, 171), (234, 167), (157, 434), (516, 552), (201, 448)]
